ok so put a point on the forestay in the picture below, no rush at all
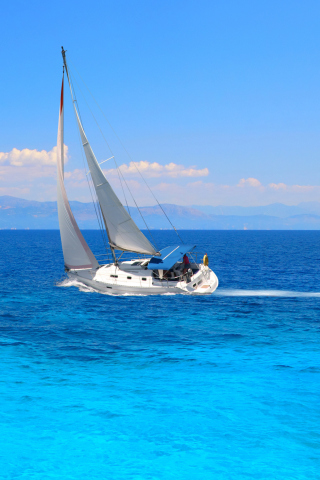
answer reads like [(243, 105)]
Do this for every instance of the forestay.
[(76, 251), (123, 233)]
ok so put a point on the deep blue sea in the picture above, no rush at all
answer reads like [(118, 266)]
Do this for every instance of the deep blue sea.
[(171, 387)]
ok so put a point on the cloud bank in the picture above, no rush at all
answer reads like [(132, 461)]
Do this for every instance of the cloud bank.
[(31, 174), (156, 170), (20, 158)]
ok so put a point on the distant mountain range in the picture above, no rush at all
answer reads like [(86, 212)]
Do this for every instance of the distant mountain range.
[(16, 213), (274, 210)]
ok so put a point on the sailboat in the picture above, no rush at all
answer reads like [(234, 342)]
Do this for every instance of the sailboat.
[(150, 271)]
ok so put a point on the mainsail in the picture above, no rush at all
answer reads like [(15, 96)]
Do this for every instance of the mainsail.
[(76, 251), (123, 233)]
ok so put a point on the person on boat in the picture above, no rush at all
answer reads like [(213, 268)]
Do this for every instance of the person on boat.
[(186, 263), (206, 260)]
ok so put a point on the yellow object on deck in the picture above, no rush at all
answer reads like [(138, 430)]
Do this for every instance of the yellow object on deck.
[(205, 260)]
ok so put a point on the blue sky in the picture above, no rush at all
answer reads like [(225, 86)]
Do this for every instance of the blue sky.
[(218, 100)]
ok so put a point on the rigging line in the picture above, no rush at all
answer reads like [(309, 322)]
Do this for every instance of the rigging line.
[(106, 143), (121, 143), (94, 200), (96, 205), (155, 243), (97, 211)]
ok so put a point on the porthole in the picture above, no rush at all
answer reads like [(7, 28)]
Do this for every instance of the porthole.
[(144, 278), (129, 278)]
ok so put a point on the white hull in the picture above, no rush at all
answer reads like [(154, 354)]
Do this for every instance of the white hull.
[(125, 279)]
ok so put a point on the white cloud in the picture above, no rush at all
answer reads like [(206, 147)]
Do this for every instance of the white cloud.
[(303, 188), (244, 193), (15, 191), (278, 186), (75, 175), (21, 158), (292, 188), (154, 170), (249, 182), (32, 174), (13, 175)]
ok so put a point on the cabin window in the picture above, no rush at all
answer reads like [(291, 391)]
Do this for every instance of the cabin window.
[(194, 285), (109, 287), (136, 263), (144, 278), (129, 278), (114, 276)]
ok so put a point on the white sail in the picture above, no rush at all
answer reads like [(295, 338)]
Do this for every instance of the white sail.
[(76, 251), (123, 233)]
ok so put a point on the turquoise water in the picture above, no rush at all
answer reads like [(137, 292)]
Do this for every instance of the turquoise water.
[(162, 387)]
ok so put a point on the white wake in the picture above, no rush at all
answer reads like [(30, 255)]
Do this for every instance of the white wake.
[(264, 293)]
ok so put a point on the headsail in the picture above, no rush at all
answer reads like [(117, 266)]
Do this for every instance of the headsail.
[(123, 233), (76, 251)]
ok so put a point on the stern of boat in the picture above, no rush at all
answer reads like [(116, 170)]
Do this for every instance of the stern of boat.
[(202, 283)]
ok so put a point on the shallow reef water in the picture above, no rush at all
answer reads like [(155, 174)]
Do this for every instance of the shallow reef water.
[(225, 386)]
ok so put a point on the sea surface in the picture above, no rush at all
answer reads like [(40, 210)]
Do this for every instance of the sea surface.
[(173, 387)]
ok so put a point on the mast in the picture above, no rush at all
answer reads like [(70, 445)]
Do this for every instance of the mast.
[(63, 52)]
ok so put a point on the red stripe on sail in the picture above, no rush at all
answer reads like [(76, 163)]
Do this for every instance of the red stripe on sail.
[(61, 101)]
